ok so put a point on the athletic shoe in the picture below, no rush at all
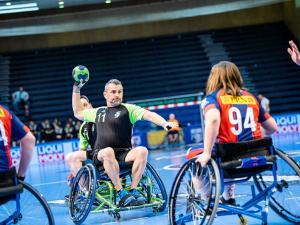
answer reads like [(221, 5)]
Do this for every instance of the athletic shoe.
[(125, 198), (140, 199)]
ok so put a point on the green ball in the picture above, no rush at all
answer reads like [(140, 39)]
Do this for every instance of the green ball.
[(80, 73)]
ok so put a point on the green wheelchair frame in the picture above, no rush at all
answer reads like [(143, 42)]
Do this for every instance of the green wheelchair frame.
[(93, 192)]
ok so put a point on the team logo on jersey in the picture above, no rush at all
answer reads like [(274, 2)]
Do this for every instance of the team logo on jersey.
[(117, 114), (240, 100)]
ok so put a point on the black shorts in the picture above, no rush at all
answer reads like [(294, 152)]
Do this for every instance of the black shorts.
[(120, 154)]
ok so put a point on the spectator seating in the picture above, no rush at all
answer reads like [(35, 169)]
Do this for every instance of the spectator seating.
[(158, 67)]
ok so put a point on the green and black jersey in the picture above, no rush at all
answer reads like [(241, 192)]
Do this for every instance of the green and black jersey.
[(87, 135), (114, 124)]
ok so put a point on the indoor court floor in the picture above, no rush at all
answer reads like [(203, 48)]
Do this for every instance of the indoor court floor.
[(50, 180)]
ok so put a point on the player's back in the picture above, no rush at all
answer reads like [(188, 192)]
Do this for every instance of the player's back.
[(10, 126), (241, 116)]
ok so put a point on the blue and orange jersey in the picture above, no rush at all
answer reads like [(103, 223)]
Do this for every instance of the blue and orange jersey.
[(241, 116), (10, 127)]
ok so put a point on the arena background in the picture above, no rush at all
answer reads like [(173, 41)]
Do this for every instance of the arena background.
[(162, 51)]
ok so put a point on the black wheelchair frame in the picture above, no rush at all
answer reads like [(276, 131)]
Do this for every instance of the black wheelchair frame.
[(198, 189), (93, 191), (12, 189)]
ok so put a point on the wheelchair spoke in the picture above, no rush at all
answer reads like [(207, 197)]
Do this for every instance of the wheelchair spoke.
[(192, 199), (286, 201)]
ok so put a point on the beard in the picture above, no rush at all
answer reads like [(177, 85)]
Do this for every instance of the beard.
[(116, 102)]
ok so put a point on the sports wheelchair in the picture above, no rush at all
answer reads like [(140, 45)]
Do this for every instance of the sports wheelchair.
[(92, 191), (20, 203), (195, 195)]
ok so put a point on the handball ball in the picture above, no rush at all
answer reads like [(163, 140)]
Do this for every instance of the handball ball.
[(80, 73)]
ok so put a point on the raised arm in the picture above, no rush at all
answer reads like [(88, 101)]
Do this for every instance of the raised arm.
[(76, 104)]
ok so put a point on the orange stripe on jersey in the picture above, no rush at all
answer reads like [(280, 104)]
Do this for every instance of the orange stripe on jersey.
[(26, 128)]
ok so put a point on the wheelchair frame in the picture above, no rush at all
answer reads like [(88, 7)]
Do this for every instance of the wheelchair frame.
[(213, 207), (14, 193), (101, 196)]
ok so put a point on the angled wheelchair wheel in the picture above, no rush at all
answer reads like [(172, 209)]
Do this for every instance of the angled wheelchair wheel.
[(157, 191), (34, 209), (286, 201), (195, 194), (82, 193)]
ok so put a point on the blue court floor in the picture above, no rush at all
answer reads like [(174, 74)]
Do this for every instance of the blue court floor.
[(50, 180)]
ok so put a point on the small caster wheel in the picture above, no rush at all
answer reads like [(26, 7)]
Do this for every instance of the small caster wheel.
[(117, 216), (242, 220)]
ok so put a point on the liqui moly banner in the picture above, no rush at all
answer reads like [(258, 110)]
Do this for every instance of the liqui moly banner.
[(288, 123), (51, 152)]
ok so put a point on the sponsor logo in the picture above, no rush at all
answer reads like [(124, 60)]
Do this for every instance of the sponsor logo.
[(117, 114), (241, 100), (288, 124), (50, 153)]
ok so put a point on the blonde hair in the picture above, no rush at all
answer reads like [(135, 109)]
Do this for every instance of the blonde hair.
[(225, 75)]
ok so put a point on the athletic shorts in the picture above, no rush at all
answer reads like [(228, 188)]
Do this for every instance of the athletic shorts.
[(120, 154)]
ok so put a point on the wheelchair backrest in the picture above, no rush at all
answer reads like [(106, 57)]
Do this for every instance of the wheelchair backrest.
[(257, 153)]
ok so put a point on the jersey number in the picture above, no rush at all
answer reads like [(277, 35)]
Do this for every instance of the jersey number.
[(3, 136), (235, 118)]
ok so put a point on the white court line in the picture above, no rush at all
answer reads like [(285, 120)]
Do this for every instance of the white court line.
[(49, 183), (294, 153), (171, 157), (172, 167)]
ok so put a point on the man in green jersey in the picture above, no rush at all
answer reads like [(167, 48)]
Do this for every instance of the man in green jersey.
[(114, 124)]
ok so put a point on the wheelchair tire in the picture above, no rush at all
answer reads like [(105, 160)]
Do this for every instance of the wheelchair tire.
[(83, 189), (185, 205), (286, 201), (157, 185), (34, 208)]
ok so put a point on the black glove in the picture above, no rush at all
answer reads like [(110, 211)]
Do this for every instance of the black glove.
[(167, 126)]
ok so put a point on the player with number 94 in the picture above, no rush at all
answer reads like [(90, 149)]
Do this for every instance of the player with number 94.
[(231, 114)]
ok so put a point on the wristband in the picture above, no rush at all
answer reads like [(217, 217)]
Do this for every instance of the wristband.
[(76, 89)]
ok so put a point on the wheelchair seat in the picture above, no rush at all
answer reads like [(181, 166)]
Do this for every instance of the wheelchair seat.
[(245, 159), (8, 185)]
